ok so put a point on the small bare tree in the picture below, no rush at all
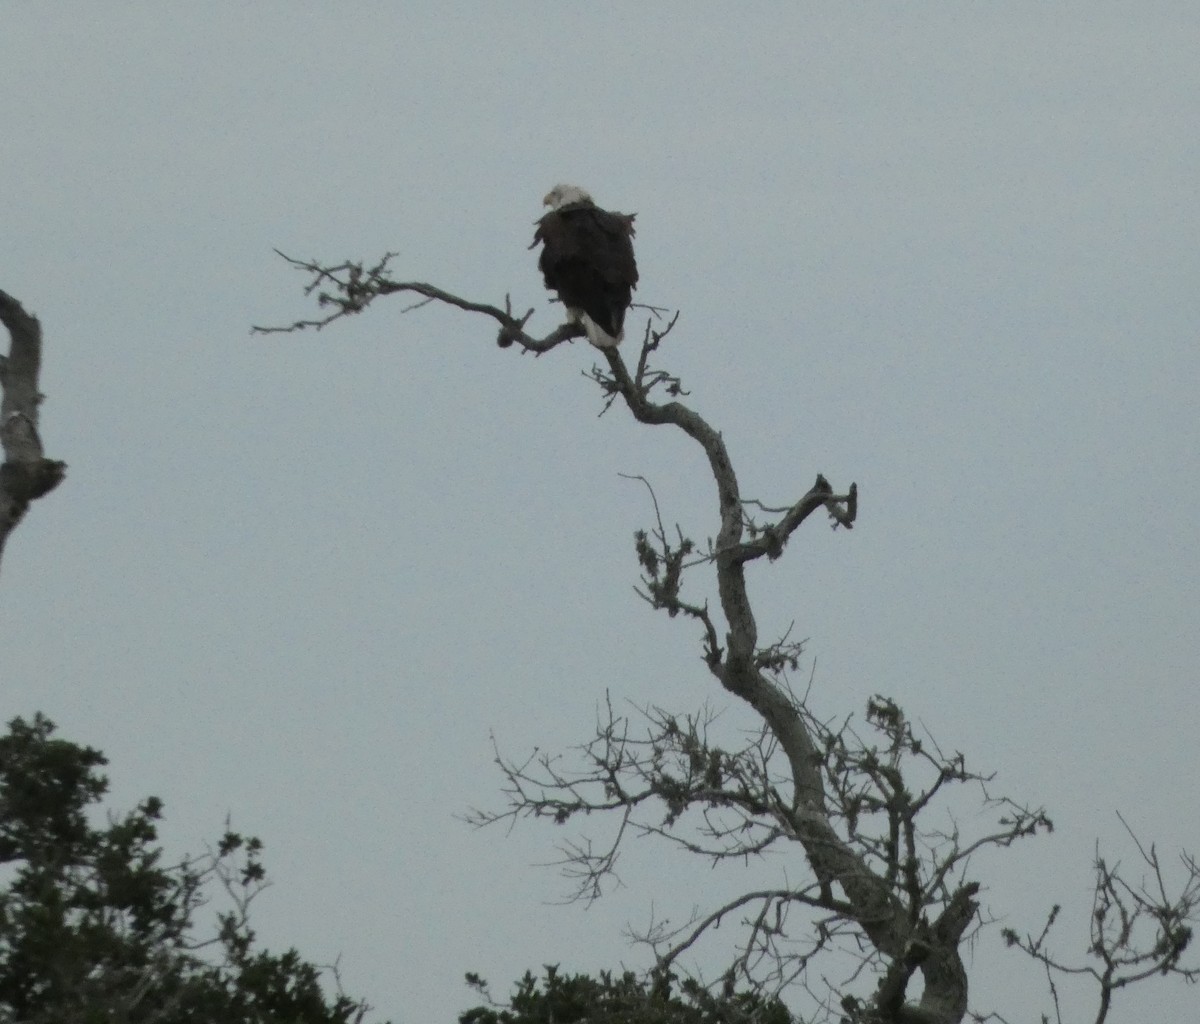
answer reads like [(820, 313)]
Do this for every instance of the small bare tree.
[(26, 474), (885, 866)]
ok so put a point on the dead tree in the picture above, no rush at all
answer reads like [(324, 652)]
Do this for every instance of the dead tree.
[(26, 474), (885, 878)]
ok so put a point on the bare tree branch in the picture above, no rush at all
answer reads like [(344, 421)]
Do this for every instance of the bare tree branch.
[(25, 474), (349, 288), (1138, 931)]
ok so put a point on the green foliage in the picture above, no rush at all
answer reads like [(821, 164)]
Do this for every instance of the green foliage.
[(567, 999), (96, 929)]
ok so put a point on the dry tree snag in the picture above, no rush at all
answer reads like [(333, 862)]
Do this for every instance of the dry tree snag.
[(882, 898), (879, 865), (26, 474)]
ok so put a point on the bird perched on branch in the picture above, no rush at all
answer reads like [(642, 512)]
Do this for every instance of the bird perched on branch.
[(587, 257)]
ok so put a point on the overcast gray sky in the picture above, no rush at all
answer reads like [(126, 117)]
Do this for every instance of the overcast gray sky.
[(948, 251)]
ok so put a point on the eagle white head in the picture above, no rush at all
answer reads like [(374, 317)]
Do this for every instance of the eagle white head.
[(565, 195)]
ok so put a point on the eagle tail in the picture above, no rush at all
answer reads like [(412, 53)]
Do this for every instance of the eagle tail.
[(598, 336)]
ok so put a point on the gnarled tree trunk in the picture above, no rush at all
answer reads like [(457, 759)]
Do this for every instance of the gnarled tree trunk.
[(26, 474)]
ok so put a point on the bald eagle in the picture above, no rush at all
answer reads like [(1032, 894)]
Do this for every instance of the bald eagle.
[(587, 257)]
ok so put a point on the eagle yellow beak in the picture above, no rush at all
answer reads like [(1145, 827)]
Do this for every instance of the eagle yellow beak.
[(548, 198)]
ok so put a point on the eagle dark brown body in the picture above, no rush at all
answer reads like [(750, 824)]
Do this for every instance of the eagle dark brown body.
[(587, 258)]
